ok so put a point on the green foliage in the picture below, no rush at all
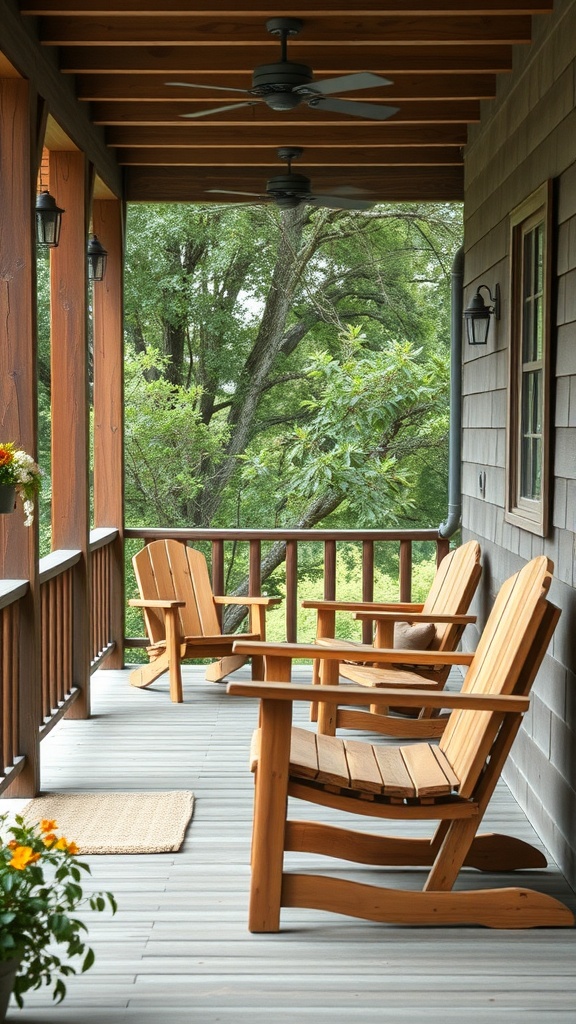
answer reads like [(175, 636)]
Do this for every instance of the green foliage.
[(287, 368), (368, 413), (40, 890), (166, 443)]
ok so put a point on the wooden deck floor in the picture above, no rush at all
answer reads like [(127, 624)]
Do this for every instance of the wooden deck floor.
[(179, 952)]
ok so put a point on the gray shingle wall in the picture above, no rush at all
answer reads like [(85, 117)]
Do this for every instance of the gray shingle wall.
[(527, 135)]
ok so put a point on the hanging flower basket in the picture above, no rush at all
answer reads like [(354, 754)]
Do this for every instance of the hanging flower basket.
[(19, 475), (7, 498)]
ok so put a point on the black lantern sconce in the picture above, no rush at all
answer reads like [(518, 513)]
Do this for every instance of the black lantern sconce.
[(96, 257), (48, 220), (477, 315)]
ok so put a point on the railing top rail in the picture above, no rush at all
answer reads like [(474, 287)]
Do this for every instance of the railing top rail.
[(102, 535), (11, 591), (57, 562), (152, 533)]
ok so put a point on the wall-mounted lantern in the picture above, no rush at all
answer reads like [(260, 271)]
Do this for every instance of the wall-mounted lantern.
[(477, 315), (96, 257), (48, 220)]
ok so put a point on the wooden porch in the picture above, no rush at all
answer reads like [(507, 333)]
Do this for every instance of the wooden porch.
[(179, 950)]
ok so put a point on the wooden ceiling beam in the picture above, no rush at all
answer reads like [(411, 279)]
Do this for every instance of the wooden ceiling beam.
[(313, 156), (354, 133), (440, 184), (182, 30), (264, 9), (329, 59), (138, 88), (411, 112)]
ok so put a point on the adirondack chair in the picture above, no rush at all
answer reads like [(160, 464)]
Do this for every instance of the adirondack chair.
[(450, 784), (180, 616), (436, 625)]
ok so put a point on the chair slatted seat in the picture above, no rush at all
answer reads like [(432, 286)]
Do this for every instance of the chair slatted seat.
[(449, 783)]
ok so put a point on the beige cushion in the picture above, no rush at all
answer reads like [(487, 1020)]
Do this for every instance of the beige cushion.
[(417, 636)]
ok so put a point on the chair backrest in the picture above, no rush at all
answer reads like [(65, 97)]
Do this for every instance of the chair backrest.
[(452, 590), (511, 648), (167, 570)]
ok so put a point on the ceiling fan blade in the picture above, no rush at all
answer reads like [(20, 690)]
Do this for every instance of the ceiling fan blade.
[(218, 88), (230, 192), (369, 110), (340, 203), (220, 110), (346, 190), (346, 83)]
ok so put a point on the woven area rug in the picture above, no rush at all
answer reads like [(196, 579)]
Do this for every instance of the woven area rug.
[(117, 822)]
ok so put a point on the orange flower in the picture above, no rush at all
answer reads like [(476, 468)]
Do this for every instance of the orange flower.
[(23, 855), (49, 839), (6, 455), (73, 849), (47, 825), (61, 844)]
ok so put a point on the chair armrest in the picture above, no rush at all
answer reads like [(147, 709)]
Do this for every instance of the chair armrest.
[(361, 653), (419, 617), (409, 698), (266, 602), (352, 606), (155, 603)]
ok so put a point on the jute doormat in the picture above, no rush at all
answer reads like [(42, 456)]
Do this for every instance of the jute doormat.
[(117, 822)]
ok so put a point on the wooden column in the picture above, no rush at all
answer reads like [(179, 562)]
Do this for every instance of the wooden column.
[(18, 394), (108, 400), (70, 430)]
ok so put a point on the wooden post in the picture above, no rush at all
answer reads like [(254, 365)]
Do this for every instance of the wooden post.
[(108, 400), (18, 397), (70, 431)]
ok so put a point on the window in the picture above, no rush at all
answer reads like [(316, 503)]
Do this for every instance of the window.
[(529, 381)]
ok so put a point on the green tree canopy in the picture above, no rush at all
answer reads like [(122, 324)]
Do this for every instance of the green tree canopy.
[(287, 366)]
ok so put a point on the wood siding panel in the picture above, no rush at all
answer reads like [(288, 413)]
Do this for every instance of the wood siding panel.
[(526, 136)]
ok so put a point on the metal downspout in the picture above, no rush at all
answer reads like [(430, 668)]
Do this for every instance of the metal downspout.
[(452, 522)]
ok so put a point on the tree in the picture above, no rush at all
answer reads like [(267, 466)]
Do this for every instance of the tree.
[(245, 322)]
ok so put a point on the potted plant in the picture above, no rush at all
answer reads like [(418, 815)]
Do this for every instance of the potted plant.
[(19, 475), (40, 892)]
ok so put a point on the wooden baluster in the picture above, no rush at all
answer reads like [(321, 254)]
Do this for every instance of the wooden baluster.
[(367, 585), (405, 570), (292, 591), (218, 574)]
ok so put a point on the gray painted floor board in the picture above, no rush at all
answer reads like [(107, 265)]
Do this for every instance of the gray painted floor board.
[(179, 952)]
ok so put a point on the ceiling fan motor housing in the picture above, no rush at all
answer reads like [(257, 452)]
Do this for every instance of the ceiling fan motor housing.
[(289, 184), (274, 83)]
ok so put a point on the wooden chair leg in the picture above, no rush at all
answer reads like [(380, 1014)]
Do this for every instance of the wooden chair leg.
[(146, 674), (270, 804), (327, 713), (173, 652)]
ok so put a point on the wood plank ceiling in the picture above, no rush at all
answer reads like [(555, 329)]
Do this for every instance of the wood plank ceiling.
[(443, 58)]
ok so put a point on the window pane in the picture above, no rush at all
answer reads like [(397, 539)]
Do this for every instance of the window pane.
[(531, 435)]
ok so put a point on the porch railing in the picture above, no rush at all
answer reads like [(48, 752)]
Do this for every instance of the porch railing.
[(57, 687), (11, 762), (61, 683), (289, 542)]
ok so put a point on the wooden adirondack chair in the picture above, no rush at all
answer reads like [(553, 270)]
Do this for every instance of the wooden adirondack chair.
[(450, 783), (180, 616), (443, 614), (437, 624)]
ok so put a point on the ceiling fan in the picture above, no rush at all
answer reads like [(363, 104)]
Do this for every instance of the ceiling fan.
[(290, 190), (285, 85)]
